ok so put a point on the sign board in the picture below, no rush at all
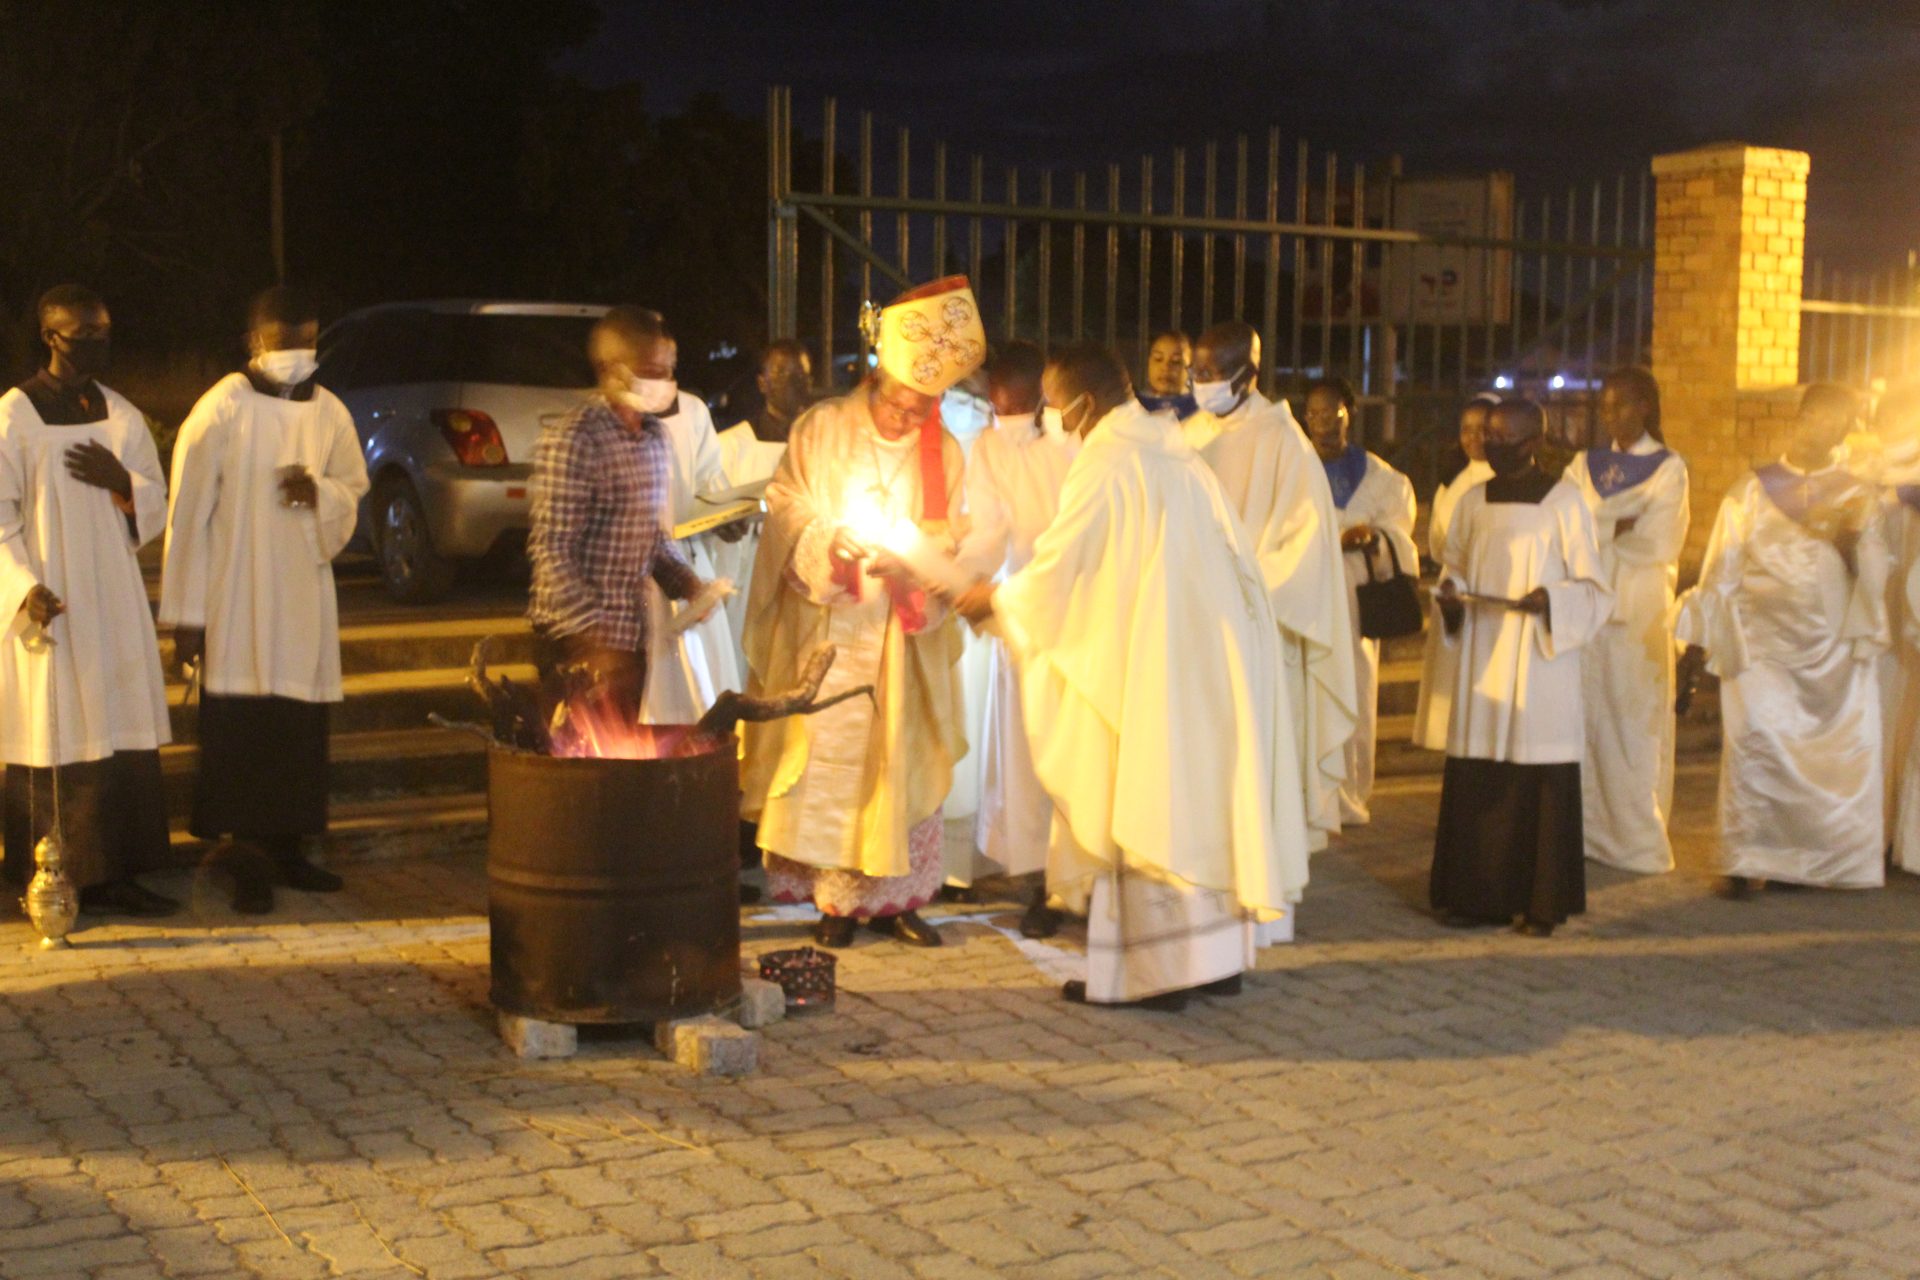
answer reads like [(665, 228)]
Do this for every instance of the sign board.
[(1452, 284)]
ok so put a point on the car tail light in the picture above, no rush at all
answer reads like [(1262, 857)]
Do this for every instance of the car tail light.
[(474, 436)]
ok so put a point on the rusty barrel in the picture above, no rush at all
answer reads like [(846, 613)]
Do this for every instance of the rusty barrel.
[(613, 885)]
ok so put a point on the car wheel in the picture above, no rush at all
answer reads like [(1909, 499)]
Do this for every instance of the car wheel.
[(414, 572)]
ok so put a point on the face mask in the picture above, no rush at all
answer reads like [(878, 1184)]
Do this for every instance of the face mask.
[(1050, 423), (289, 368), (1072, 405), (1016, 424), (1509, 459), (651, 395), (88, 356), (1217, 398)]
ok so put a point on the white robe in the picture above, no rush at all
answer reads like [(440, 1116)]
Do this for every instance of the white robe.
[(1900, 680), (745, 459), (1437, 662), (1276, 485), (1796, 641), (686, 673), (258, 575), (102, 674), (1626, 779), (1383, 499), (1150, 679), (1013, 490), (1517, 683)]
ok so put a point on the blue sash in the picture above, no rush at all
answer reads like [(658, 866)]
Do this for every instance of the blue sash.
[(1614, 472), (1345, 473), (1182, 406), (1800, 496)]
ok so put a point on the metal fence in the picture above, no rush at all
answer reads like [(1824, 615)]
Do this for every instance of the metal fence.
[(1417, 292), (1860, 327)]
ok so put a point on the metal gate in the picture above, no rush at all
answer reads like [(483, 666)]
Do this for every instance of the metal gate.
[(1340, 265)]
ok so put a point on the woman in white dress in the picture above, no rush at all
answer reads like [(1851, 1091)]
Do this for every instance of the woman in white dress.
[(1637, 490)]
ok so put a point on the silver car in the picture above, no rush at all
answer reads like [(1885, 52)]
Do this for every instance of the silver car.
[(448, 398)]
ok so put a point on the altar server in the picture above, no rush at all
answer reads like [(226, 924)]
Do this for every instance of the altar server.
[(267, 481), (1437, 662), (1522, 592), (1150, 675), (1791, 614)]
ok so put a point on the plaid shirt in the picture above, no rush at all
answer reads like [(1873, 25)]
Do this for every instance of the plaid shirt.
[(600, 496)]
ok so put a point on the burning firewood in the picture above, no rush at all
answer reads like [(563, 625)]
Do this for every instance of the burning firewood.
[(730, 708), (519, 713)]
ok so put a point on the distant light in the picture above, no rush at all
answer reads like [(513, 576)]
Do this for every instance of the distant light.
[(1503, 383), (873, 360), (1558, 381), (725, 351)]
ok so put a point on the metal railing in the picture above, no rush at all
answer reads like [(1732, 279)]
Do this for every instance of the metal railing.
[(1324, 257), (1860, 327)]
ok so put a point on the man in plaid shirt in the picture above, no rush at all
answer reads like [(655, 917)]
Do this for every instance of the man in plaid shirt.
[(601, 512)]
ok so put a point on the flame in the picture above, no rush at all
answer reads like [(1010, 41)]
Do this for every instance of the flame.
[(867, 522), (590, 725)]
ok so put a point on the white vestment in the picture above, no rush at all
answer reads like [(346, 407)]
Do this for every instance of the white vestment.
[(256, 574), (1436, 666), (1150, 679), (1384, 500), (1626, 780), (102, 674), (1796, 640), (686, 673), (1274, 482), (1517, 683), (1013, 491), (1900, 678), (746, 459)]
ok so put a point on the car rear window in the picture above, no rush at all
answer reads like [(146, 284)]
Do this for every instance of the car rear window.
[(516, 350)]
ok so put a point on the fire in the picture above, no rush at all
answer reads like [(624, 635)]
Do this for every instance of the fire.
[(590, 726), (874, 528)]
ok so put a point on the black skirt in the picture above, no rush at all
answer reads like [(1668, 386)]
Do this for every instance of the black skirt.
[(113, 817), (263, 768), (1509, 842)]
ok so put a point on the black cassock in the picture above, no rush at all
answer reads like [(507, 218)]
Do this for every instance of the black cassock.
[(263, 768)]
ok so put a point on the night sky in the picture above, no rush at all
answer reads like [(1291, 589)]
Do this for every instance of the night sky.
[(1558, 91)]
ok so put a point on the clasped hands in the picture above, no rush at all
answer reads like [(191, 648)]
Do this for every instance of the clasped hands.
[(847, 548)]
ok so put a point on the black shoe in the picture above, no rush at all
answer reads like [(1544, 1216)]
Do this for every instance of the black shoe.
[(1529, 929), (1040, 920), (126, 897), (1454, 920), (962, 893), (907, 927), (749, 894), (291, 868), (834, 931), (1075, 992), (1735, 888), (1230, 985)]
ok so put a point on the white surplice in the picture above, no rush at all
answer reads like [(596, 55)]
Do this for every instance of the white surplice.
[(1900, 674), (1796, 640), (102, 673), (745, 459), (1437, 662), (1517, 683), (256, 574), (1384, 500), (1150, 679), (1276, 485), (686, 673), (1626, 779), (1013, 491)]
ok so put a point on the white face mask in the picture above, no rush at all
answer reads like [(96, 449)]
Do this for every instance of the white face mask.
[(651, 395), (1060, 415), (1217, 398), (289, 368), (1015, 424)]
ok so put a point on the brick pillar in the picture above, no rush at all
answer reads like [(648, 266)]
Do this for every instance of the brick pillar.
[(1729, 236)]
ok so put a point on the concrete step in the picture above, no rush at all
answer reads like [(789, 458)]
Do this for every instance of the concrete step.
[(378, 700), (392, 827), (382, 764), (370, 648)]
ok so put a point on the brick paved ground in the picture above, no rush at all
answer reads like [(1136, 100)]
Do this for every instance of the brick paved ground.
[(1676, 1086)]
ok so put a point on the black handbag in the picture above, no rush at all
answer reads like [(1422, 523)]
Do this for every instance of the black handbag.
[(1390, 606)]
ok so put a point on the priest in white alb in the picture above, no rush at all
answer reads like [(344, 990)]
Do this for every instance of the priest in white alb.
[(82, 700), (1791, 614), (1013, 493), (750, 452), (1151, 682), (848, 801), (1437, 662), (267, 481), (1896, 427), (1376, 513), (1522, 592), (1636, 488), (1278, 488)]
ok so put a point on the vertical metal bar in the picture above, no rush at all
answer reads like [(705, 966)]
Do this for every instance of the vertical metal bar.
[(1208, 206), (1240, 215), (1593, 300), (1143, 317), (1356, 289), (1873, 299), (979, 191), (1177, 240), (1566, 271), (1010, 254), (1620, 284), (1270, 296), (1328, 199), (773, 212), (901, 229), (1113, 259), (1518, 309), (1546, 231), (866, 219), (1079, 259), (1045, 281), (1298, 312), (940, 220), (823, 374)]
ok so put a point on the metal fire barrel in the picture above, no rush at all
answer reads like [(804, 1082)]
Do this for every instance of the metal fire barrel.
[(613, 885)]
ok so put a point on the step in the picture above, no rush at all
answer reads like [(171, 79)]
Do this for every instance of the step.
[(432, 643), (382, 699), (393, 827), (376, 765)]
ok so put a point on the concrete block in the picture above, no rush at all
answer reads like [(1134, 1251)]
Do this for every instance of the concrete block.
[(709, 1046), (761, 1003), (532, 1038)]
